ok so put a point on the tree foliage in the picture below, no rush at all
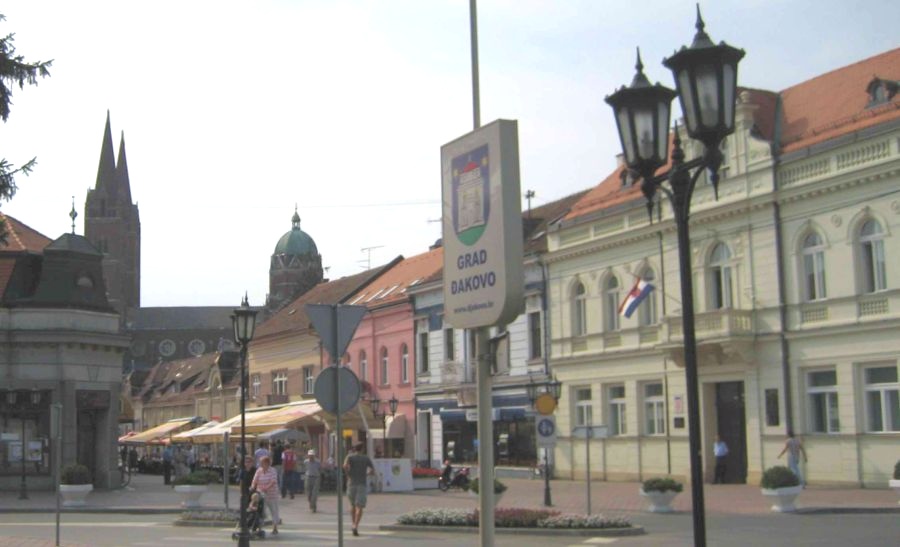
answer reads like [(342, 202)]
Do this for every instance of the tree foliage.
[(14, 70)]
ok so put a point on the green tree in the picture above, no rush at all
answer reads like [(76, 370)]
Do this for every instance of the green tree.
[(14, 70)]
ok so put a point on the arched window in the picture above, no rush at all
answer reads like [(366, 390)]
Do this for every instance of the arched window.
[(813, 267), (579, 310), (404, 364), (383, 376), (871, 242), (363, 367), (611, 303), (647, 309), (720, 288)]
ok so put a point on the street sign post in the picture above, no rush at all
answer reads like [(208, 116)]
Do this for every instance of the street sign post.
[(334, 399), (545, 427), (588, 432)]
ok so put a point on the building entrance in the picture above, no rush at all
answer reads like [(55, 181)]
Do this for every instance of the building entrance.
[(732, 428)]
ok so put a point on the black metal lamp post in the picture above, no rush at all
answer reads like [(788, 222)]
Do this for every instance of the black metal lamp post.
[(244, 322), (705, 77), (392, 408), (552, 387)]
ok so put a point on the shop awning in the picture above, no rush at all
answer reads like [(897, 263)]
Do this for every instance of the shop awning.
[(289, 416), (216, 433), (156, 435), (395, 428), (292, 435), (189, 435)]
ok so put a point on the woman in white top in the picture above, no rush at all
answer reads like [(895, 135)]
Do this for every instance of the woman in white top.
[(266, 482)]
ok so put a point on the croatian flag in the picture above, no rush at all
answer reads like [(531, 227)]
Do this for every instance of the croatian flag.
[(635, 296)]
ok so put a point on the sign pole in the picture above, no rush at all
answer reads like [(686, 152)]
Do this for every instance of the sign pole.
[(338, 425), (486, 441), (587, 448)]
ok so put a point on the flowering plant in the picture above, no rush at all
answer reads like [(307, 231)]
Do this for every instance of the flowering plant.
[(425, 473)]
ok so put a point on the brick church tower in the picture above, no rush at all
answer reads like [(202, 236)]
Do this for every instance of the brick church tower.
[(295, 267), (112, 223)]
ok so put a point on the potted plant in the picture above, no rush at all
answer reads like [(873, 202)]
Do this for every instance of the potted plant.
[(895, 482), (193, 485), (660, 491), (499, 489), (74, 485), (783, 486)]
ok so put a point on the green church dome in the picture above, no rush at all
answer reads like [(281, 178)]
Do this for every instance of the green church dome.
[(296, 242)]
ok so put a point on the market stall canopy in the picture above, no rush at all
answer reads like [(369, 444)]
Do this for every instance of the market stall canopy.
[(292, 435), (189, 435), (217, 433), (126, 436), (289, 416), (395, 428), (158, 434)]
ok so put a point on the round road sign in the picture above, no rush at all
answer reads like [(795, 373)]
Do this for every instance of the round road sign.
[(324, 390)]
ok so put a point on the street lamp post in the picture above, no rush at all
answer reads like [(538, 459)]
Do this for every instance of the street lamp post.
[(244, 322), (392, 408), (705, 77), (552, 387)]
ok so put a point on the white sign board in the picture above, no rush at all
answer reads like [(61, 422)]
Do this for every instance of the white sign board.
[(545, 428), (393, 475), (590, 432), (482, 227)]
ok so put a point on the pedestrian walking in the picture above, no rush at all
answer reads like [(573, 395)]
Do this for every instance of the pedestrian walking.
[(358, 467), (263, 450), (192, 457), (277, 451), (720, 451), (794, 447), (313, 475), (167, 457), (289, 467), (266, 482)]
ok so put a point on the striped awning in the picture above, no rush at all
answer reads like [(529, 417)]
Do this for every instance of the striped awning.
[(156, 435)]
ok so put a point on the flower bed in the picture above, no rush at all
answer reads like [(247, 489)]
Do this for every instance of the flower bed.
[(511, 518), (425, 473)]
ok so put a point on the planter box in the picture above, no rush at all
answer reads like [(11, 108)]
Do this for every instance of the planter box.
[(895, 484), (660, 502), (73, 495), (425, 483), (783, 498), (190, 494)]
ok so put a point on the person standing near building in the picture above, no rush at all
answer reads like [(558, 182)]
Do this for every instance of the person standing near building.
[(289, 469), (263, 450), (167, 457), (720, 451), (313, 473), (266, 482), (794, 447), (358, 467), (277, 451)]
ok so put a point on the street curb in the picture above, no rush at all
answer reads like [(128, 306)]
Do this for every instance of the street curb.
[(122, 510), (578, 532), (846, 510)]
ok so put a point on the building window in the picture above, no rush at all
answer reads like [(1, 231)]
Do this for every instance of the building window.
[(617, 415), (363, 367), (773, 417), (449, 346), (472, 336), (579, 310), (423, 351), (654, 409), (309, 380), (611, 303), (534, 335), (404, 364), (720, 289), (584, 407), (647, 310), (384, 367), (255, 385), (882, 401), (813, 268), (871, 241), (279, 383), (823, 402)]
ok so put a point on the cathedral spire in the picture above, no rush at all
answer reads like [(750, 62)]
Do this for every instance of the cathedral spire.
[(295, 220), (122, 181), (106, 171)]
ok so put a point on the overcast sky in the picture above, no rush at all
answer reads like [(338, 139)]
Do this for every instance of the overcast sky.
[(234, 111)]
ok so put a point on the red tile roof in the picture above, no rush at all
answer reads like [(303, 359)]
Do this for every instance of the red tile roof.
[(390, 287), (834, 104), (21, 237)]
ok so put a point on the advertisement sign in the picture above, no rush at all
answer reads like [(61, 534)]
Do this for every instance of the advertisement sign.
[(482, 227)]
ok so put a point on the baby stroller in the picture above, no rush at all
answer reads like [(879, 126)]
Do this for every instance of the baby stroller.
[(255, 516)]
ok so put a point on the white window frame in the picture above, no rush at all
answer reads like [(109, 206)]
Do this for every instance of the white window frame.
[(617, 408), (611, 303), (404, 364), (579, 309), (449, 344), (822, 400), (363, 366), (647, 314), (873, 258), (383, 372), (535, 334), (882, 395), (584, 405), (812, 262), (654, 408), (423, 359), (721, 278), (309, 380), (255, 385), (279, 383)]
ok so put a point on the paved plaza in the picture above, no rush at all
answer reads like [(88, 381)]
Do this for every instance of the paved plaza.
[(143, 513)]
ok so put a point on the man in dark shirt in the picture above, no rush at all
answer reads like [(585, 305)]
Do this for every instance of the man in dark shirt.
[(358, 466)]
